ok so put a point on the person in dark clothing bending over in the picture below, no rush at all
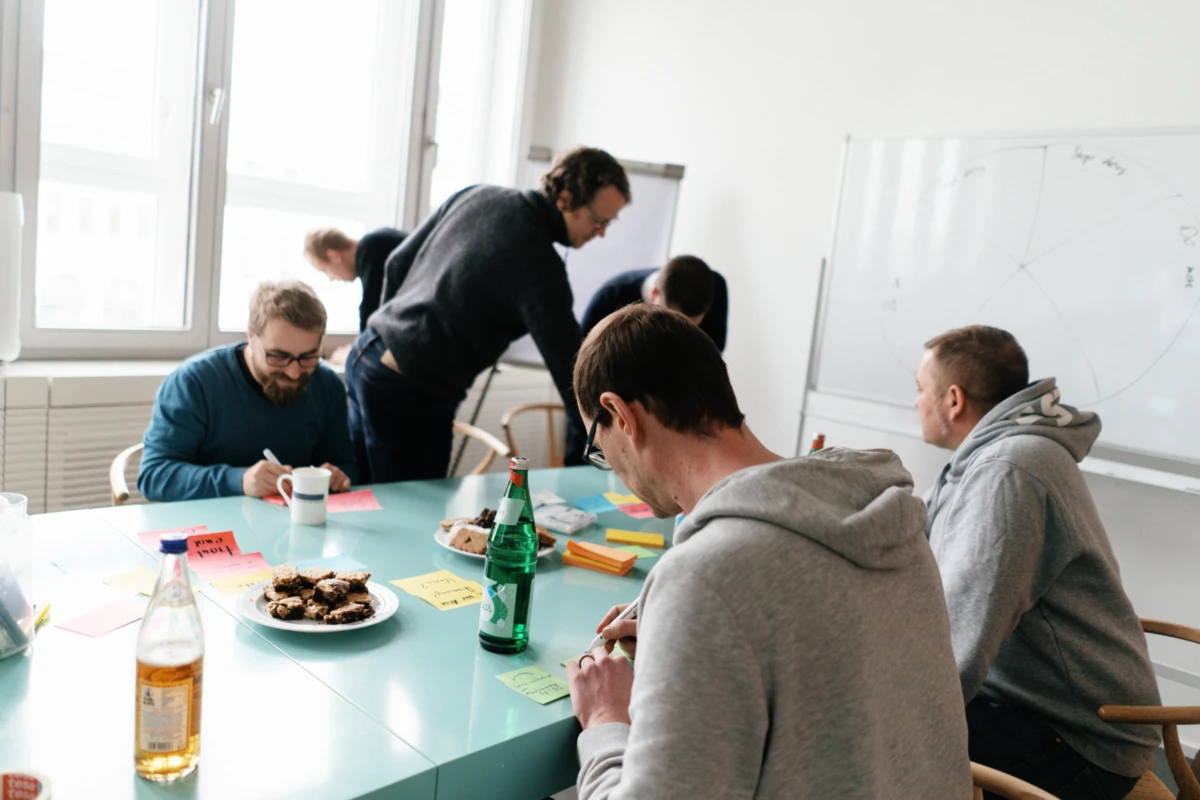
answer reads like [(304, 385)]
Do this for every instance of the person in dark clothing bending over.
[(478, 274), (685, 284), (344, 259)]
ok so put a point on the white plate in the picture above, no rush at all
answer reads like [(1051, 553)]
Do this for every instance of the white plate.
[(443, 538), (253, 606)]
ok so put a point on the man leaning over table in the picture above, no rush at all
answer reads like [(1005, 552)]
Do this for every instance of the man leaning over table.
[(218, 411), (794, 643)]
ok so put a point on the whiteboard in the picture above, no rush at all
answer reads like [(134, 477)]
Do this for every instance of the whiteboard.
[(639, 239), (1084, 247)]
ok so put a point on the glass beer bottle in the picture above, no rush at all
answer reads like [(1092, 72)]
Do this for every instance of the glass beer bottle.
[(170, 669)]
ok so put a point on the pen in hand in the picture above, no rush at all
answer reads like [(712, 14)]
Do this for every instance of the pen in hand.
[(630, 612), (267, 454)]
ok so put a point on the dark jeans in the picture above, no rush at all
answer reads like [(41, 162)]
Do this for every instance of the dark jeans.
[(399, 431), (1017, 742)]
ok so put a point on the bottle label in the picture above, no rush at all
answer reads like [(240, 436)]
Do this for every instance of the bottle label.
[(516, 477), (163, 716), (509, 512), (496, 609)]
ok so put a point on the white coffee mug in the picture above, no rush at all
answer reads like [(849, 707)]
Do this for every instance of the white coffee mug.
[(310, 490)]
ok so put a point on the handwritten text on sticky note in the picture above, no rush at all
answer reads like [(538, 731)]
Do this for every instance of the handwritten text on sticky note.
[(240, 564), (536, 684), (442, 589)]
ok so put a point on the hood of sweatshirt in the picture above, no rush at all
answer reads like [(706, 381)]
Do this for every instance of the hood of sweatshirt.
[(1033, 411), (857, 503)]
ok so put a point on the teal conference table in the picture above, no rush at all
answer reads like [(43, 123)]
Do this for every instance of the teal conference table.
[(422, 675), (269, 728)]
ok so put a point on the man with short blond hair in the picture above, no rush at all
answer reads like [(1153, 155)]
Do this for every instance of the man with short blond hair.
[(218, 411), (793, 643), (342, 258), (1043, 631)]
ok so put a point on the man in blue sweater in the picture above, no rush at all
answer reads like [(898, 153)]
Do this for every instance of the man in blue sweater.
[(218, 411)]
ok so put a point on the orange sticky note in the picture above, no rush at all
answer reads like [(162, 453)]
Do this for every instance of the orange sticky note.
[(617, 559), (587, 563), (209, 546)]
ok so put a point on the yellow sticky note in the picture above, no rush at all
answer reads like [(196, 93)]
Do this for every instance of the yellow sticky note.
[(633, 537), (621, 499), (139, 580), (442, 589), (236, 584), (536, 684)]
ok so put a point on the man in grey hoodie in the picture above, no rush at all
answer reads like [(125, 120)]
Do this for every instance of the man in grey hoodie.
[(1043, 631), (794, 642)]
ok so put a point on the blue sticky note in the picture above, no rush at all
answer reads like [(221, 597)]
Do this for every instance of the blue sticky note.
[(338, 563), (596, 504)]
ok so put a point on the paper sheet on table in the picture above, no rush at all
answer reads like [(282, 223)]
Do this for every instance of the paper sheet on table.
[(638, 550), (442, 589), (638, 511), (106, 618), (236, 584), (361, 500), (150, 539), (536, 683), (596, 504), (211, 546), (138, 580), (229, 566), (546, 498)]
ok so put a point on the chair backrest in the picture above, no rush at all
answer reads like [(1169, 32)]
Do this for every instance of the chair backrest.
[(1169, 718), (1005, 785), (116, 474), (495, 447), (556, 447)]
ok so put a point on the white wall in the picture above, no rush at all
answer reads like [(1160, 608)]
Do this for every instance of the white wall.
[(755, 98)]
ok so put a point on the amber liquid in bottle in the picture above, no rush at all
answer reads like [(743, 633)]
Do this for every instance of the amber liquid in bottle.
[(167, 739)]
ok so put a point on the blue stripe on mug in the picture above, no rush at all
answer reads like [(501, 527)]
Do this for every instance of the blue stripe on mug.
[(299, 496)]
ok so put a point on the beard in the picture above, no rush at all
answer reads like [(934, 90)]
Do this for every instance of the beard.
[(280, 393)]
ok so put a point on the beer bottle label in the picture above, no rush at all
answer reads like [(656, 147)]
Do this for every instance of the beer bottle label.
[(509, 512), (495, 609), (163, 716)]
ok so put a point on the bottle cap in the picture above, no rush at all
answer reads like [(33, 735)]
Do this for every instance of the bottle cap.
[(519, 462), (173, 543)]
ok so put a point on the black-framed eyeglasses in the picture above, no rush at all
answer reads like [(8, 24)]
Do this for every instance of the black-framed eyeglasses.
[(592, 454), (284, 360), (600, 224)]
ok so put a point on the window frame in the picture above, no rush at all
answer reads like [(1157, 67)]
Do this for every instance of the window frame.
[(21, 37)]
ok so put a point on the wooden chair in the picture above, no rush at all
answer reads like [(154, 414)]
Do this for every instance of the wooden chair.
[(556, 449), (495, 446), (1005, 785), (1149, 787), (116, 474)]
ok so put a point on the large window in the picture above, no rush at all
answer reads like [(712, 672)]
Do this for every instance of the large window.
[(171, 154)]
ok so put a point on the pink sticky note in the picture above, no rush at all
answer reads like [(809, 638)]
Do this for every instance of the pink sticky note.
[(107, 618), (229, 565), (638, 510), (150, 539), (275, 499), (207, 546), (362, 500)]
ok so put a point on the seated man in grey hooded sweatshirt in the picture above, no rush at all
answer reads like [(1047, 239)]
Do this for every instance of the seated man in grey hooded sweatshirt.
[(1043, 631), (794, 642)]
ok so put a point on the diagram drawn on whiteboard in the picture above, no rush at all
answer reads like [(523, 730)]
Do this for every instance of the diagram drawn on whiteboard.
[(1027, 239)]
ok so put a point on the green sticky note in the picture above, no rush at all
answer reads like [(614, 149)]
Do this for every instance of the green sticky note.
[(638, 550), (536, 684)]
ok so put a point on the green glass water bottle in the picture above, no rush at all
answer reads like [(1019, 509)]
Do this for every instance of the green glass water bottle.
[(508, 572)]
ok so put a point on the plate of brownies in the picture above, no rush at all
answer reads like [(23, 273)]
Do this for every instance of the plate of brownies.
[(468, 536), (317, 600)]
